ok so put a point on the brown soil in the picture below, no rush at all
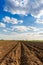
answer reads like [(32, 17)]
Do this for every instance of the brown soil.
[(21, 53)]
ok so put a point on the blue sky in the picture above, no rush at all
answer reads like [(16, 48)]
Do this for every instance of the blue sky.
[(21, 19)]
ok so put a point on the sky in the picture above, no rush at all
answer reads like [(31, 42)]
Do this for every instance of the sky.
[(21, 19)]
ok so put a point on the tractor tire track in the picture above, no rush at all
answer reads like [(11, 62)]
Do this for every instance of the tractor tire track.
[(22, 54), (37, 51), (32, 58), (8, 54)]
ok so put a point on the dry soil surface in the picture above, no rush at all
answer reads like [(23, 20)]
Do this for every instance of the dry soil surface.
[(20, 53)]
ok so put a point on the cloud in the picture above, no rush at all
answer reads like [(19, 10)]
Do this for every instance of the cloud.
[(40, 14), (12, 20), (2, 25), (39, 17), (5, 30), (34, 28), (40, 21), (24, 6), (24, 28), (22, 36), (40, 33), (20, 29)]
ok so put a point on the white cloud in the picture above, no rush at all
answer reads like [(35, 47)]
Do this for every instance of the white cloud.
[(40, 21), (24, 6), (40, 33), (40, 14), (37, 33), (34, 28), (12, 20), (22, 36), (39, 17), (16, 6), (24, 28), (2, 25), (21, 29), (5, 30)]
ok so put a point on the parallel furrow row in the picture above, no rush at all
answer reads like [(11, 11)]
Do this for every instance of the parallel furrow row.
[(22, 54), (8, 58), (37, 51), (32, 58)]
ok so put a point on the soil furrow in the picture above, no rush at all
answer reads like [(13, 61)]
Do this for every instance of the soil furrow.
[(32, 58)]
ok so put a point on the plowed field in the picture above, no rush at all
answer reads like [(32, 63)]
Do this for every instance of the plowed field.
[(21, 53)]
